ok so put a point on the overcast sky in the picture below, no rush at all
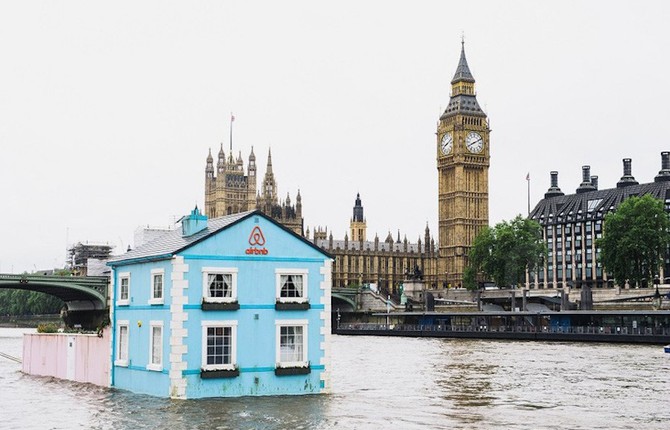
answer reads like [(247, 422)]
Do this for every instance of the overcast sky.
[(108, 109)]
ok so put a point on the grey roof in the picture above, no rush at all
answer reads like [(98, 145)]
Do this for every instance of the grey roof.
[(465, 104), (172, 241), (463, 71), (592, 204)]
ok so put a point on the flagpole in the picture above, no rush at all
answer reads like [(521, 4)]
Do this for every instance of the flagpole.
[(528, 180), (232, 118)]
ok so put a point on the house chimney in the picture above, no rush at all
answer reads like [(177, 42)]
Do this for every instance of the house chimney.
[(627, 178), (586, 184), (193, 223), (664, 174), (553, 190), (594, 181)]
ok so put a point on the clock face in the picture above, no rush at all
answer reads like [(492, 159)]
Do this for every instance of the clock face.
[(447, 143), (474, 142)]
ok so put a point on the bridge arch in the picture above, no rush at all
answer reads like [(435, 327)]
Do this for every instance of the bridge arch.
[(79, 293), (344, 300)]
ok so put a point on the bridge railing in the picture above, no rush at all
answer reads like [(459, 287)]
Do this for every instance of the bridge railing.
[(577, 330)]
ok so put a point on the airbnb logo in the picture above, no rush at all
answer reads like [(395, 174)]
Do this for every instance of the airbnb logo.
[(256, 238)]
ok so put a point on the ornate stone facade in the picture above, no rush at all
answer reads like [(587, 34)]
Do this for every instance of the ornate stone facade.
[(463, 166), (228, 190), (462, 163), (384, 263)]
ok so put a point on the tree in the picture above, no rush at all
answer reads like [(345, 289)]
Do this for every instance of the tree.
[(504, 252), (635, 239)]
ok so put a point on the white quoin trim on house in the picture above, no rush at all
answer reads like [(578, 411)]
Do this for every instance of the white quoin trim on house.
[(326, 285), (177, 330)]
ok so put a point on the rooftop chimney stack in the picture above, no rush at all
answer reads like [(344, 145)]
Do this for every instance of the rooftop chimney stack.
[(594, 181), (664, 174), (586, 184), (627, 178), (553, 191)]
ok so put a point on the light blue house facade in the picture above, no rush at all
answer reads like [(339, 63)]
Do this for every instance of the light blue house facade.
[(232, 306)]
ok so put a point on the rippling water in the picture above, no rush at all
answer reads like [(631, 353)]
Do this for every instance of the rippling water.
[(382, 383)]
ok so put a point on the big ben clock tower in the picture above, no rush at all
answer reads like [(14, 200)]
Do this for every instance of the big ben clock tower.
[(463, 170)]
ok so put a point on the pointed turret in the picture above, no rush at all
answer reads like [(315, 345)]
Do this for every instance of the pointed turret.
[(269, 191), (221, 163), (463, 73), (269, 166), (252, 165), (209, 169), (298, 205), (357, 224), (358, 210), (463, 98)]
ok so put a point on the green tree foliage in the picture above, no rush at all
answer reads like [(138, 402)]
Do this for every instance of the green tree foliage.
[(504, 252), (470, 278), (635, 239), (22, 302)]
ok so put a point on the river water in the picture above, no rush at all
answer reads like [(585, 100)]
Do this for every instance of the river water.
[(385, 383)]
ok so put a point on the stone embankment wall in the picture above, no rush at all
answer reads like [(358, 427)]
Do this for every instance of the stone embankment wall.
[(74, 356), (371, 301)]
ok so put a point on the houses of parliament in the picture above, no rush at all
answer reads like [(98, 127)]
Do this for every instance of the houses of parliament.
[(462, 155)]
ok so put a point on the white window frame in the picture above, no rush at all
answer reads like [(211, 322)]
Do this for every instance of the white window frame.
[(305, 341), (121, 301), (153, 299), (232, 324), (206, 271), (151, 365), (122, 359), (304, 273)]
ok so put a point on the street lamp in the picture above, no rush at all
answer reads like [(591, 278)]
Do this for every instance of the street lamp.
[(656, 302)]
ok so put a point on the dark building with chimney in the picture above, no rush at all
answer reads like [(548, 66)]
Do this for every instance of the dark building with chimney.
[(572, 223)]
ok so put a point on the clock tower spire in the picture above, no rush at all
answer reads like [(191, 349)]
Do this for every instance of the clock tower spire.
[(463, 165)]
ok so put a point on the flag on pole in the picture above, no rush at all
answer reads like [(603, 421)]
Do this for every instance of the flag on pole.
[(232, 118)]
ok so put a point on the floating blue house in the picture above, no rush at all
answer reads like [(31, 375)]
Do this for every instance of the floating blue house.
[(232, 306)]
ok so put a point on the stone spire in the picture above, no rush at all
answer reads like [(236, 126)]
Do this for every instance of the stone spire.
[(298, 205), (209, 169), (358, 210), (252, 164), (269, 167), (221, 163)]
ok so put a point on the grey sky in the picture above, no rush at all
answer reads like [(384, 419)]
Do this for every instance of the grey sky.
[(107, 110)]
